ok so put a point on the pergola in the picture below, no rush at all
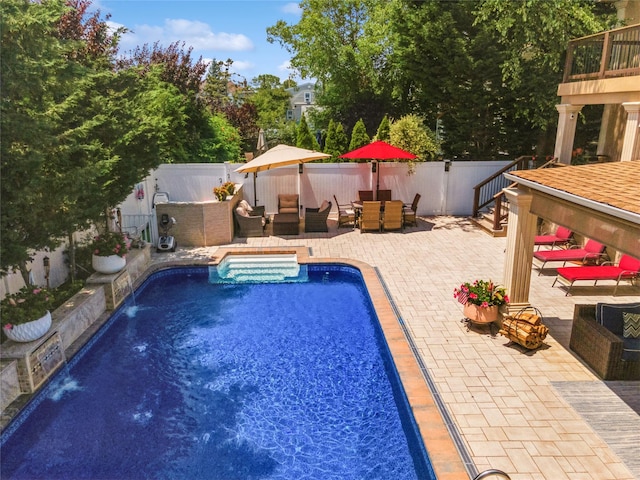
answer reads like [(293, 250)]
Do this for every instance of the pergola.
[(598, 201)]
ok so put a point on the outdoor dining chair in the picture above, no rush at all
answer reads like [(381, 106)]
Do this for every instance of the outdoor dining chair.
[(392, 219), (384, 196), (346, 213), (370, 217), (365, 195), (411, 210)]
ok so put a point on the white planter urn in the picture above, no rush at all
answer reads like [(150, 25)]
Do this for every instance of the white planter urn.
[(108, 265), (30, 331)]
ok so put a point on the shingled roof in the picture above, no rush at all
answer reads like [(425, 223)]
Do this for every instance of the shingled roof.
[(615, 183)]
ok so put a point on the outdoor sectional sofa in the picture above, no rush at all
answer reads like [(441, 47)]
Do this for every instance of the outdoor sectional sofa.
[(598, 337)]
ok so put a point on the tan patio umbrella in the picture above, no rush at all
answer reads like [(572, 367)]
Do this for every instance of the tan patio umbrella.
[(279, 156)]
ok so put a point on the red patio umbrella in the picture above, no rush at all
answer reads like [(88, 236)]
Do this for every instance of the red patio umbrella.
[(379, 150)]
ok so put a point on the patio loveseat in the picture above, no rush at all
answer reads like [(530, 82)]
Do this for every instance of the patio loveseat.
[(598, 337)]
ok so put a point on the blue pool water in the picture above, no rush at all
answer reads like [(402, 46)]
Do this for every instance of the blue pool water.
[(201, 381)]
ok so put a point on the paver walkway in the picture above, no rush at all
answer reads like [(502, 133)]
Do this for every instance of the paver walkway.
[(508, 405)]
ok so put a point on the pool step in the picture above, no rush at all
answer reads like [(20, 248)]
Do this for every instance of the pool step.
[(258, 269)]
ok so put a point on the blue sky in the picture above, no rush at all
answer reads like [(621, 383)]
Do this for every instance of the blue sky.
[(219, 29)]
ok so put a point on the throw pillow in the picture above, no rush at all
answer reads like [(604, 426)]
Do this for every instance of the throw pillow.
[(631, 326), (241, 211), (609, 315), (244, 204), (631, 337)]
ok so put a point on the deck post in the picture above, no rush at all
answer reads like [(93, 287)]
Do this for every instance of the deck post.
[(567, 120), (521, 231), (631, 145)]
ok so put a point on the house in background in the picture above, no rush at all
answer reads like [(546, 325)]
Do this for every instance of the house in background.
[(302, 98)]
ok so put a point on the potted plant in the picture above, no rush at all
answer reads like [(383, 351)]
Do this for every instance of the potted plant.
[(220, 193), (26, 315), (230, 187), (108, 252), (481, 300)]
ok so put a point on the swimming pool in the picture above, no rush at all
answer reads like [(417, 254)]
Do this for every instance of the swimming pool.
[(226, 381)]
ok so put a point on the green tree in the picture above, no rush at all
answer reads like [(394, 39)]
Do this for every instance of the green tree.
[(383, 130), (341, 140), (271, 100), (35, 71), (359, 136), (411, 134), (77, 134), (215, 88), (344, 44), (329, 142), (533, 36), (220, 143), (304, 138)]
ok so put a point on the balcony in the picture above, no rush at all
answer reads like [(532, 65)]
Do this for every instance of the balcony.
[(603, 68), (615, 53)]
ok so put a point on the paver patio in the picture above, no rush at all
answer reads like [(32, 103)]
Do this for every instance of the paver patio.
[(536, 415)]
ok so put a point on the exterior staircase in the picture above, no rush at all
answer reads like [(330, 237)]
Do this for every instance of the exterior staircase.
[(490, 205)]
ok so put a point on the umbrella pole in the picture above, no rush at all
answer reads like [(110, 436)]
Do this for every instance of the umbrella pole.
[(255, 195), (377, 179)]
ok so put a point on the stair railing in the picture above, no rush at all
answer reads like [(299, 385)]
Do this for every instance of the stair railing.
[(484, 192), (501, 211)]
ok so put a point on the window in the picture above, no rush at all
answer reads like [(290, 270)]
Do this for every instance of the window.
[(307, 97), (289, 114)]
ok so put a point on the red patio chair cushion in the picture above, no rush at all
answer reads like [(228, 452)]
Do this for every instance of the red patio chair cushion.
[(627, 268), (592, 248), (603, 272), (562, 235)]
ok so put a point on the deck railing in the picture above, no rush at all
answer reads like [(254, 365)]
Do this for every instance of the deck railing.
[(615, 53)]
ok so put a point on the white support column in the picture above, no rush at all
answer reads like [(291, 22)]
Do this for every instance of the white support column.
[(631, 145), (521, 233), (568, 116)]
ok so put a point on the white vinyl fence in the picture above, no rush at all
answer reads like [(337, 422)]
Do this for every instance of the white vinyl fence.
[(446, 187)]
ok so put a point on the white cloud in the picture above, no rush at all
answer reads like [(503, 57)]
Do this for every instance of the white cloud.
[(292, 8), (285, 66), (193, 33), (113, 26), (241, 65)]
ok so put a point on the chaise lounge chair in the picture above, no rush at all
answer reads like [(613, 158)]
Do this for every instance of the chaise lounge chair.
[(592, 251), (315, 219), (627, 269), (561, 237)]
